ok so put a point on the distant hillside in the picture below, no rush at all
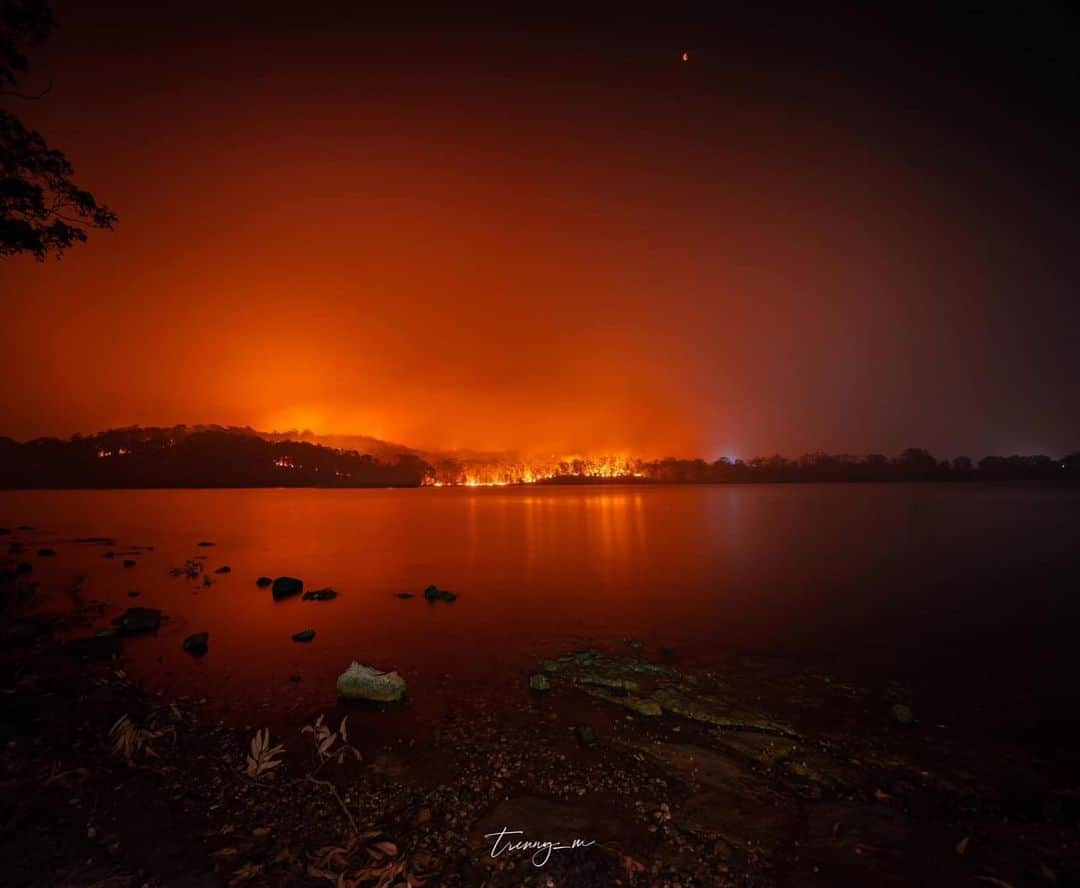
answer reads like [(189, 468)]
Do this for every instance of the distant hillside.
[(232, 456), (197, 456), (376, 447)]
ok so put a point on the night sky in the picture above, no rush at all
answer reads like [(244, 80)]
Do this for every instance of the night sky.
[(850, 233)]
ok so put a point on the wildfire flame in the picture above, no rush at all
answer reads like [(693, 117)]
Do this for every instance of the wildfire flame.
[(452, 473)]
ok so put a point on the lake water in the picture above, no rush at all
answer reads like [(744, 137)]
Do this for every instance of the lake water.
[(968, 593)]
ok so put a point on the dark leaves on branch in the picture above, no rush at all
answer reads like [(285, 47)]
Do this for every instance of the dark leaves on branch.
[(41, 210)]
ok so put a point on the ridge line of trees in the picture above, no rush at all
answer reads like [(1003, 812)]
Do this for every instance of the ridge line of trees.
[(216, 456), (913, 464)]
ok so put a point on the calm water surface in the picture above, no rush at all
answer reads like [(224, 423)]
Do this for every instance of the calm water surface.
[(966, 591)]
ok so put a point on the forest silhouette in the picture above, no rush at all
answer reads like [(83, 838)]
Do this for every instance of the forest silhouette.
[(217, 456)]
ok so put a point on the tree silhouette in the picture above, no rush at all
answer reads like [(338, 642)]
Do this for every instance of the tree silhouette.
[(41, 210)]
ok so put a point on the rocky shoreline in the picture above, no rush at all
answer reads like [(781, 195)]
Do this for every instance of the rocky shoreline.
[(650, 770)]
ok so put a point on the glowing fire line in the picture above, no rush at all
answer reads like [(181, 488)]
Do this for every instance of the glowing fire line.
[(452, 473)]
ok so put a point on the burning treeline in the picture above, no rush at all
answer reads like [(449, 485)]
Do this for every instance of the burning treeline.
[(911, 465)]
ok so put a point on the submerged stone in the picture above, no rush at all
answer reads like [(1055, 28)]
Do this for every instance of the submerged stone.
[(306, 635), (360, 682), (197, 643), (224, 569), (285, 587), (263, 582), (326, 594)]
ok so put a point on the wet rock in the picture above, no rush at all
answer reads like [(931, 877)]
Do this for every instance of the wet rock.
[(224, 569), (129, 562), (46, 552), (139, 620), (434, 593), (198, 643), (306, 635), (585, 736), (286, 587), (326, 594), (634, 643), (764, 750), (718, 713), (640, 705), (539, 683), (598, 664), (360, 682), (405, 595), (263, 582), (623, 685), (902, 715)]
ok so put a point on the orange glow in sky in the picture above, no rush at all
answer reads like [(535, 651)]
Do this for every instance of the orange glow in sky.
[(505, 245)]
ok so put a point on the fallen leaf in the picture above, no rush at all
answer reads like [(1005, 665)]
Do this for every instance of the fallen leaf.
[(245, 874), (224, 852)]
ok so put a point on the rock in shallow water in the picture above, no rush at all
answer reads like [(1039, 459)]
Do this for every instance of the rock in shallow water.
[(306, 635), (434, 593), (263, 582), (285, 587), (326, 594), (360, 682), (197, 643)]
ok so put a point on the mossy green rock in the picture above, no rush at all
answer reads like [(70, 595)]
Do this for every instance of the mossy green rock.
[(539, 683), (360, 682), (640, 705)]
